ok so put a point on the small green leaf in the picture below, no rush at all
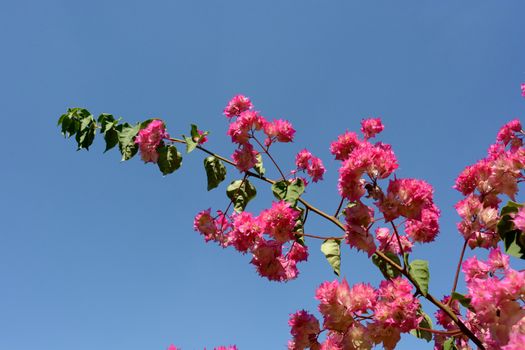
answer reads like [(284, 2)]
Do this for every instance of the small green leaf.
[(331, 248), (463, 300), (169, 159), (419, 271), (290, 192), (194, 132), (240, 193), (126, 140), (513, 239), (215, 171), (190, 144), (426, 322), (258, 167), (111, 138), (449, 344), (386, 269)]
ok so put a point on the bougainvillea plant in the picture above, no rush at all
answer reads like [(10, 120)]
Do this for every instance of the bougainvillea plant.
[(379, 214)]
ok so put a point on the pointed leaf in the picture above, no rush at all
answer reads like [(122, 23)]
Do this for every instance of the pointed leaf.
[(258, 167), (426, 322), (419, 270), (513, 239), (331, 249), (215, 171), (126, 140), (240, 193), (449, 344), (386, 269), (290, 192), (463, 300), (170, 159)]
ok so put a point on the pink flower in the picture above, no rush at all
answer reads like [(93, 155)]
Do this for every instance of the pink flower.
[(314, 166), (280, 130), (519, 219), (371, 127), (237, 105), (248, 121), (298, 252), (304, 330), (245, 157), (344, 145), (203, 139), (270, 263), (389, 243), (358, 218), (246, 231), (302, 159), (212, 228), (149, 139), (426, 229), (507, 132), (523, 90), (334, 302), (173, 347), (279, 221), (406, 197), (396, 306)]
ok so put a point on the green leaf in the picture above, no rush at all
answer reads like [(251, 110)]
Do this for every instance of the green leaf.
[(331, 249), (111, 138), (513, 239), (126, 140), (290, 192), (463, 300), (426, 322), (449, 344), (169, 159), (194, 132), (190, 144), (106, 121), (215, 171), (258, 167), (240, 193), (419, 271), (386, 269)]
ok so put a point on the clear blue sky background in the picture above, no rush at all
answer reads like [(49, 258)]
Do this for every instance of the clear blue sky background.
[(98, 254)]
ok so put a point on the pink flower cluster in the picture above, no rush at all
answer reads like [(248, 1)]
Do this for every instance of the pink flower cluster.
[(244, 122), (482, 183), (358, 317), (246, 233), (149, 139), (410, 199), (312, 165), (496, 295), (361, 157)]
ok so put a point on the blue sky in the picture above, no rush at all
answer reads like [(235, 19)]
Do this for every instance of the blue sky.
[(99, 254)]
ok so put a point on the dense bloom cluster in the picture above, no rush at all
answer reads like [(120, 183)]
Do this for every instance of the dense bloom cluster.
[(149, 139), (265, 236), (244, 122), (361, 157), (496, 294), (312, 165), (409, 199), (237, 105), (371, 127), (358, 317), (482, 183)]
